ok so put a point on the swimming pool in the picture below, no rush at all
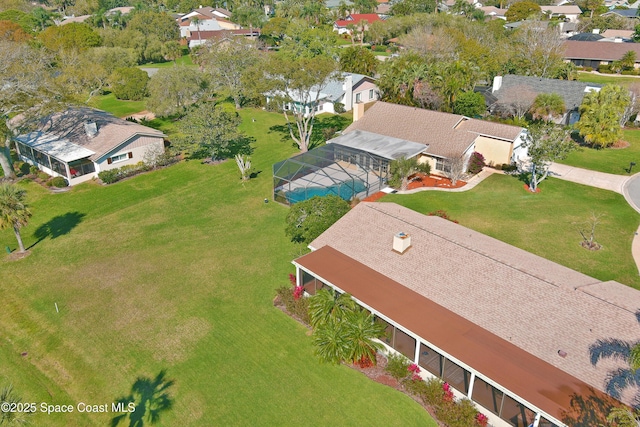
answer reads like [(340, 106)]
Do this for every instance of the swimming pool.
[(346, 190)]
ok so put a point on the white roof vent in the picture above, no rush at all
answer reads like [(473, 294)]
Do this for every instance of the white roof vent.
[(401, 242)]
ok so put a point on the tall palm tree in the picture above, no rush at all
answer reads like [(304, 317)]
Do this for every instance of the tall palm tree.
[(329, 306), (14, 212), (196, 21), (360, 333), (7, 395)]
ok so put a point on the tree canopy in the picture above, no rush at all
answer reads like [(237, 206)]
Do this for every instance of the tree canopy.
[(308, 219), (521, 10), (600, 111), (173, 89), (546, 143)]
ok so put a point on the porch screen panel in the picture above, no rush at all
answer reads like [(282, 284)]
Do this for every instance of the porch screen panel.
[(456, 376), (387, 338), (487, 395), (59, 167), (516, 413), (431, 360), (309, 283), (546, 423), (405, 344), (42, 158)]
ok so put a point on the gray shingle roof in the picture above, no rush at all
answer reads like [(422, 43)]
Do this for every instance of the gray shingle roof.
[(571, 92)]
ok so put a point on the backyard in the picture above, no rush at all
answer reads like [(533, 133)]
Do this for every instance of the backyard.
[(176, 270)]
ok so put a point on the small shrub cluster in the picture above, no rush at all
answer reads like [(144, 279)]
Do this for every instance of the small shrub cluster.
[(113, 175), (588, 69), (43, 176), (58, 182), (22, 168), (296, 306), (436, 394), (476, 163), (33, 170), (444, 215)]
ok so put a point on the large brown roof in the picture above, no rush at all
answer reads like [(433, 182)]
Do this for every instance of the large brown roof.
[(600, 51), (445, 134), (538, 382), (537, 305), (112, 131)]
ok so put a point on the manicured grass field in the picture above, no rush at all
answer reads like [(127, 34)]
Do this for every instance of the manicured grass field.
[(607, 79), (183, 60), (543, 223), (116, 106), (610, 160), (176, 270)]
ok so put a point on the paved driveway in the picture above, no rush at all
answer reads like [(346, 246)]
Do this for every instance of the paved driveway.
[(606, 181)]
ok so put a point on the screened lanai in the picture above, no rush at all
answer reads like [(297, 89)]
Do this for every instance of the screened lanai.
[(352, 165)]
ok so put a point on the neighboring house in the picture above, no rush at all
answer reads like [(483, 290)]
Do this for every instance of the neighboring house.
[(197, 38), (623, 13), (442, 135), (208, 19), (77, 19), (595, 53), (80, 142), (616, 35), (569, 12), (360, 20), (351, 89), (504, 327), (493, 12), (125, 10), (511, 88)]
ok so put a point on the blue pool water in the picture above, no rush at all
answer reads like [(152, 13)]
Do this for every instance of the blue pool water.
[(345, 190)]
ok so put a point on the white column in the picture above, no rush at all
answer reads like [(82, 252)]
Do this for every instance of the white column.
[(471, 381), (536, 420), (417, 353)]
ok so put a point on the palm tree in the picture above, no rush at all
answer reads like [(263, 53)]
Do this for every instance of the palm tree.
[(13, 210), (330, 341), (360, 333), (546, 106), (623, 417), (196, 21), (328, 305), (401, 169), (7, 395)]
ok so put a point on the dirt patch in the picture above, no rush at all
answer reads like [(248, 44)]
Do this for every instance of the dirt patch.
[(526, 187), (619, 145), (592, 246), (15, 256), (142, 115)]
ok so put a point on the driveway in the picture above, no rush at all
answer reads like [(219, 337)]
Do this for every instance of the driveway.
[(606, 181)]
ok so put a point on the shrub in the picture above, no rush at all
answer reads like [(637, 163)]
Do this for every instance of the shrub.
[(43, 176), (457, 414), (588, 69), (432, 393), (59, 182), (22, 168), (604, 68), (380, 48), (629, 72), (129, 83), (338, 107), (33, 170), (509, 167), (397, 366), (476, 163), (109, 176), (444, 215), (297, 307)]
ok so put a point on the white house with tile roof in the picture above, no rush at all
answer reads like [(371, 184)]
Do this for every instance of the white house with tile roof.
[(80, 142), (505, 328)]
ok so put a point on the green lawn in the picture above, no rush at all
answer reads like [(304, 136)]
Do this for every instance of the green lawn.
[(117, 107), (183, 60), (543, 223), (607, 79), (610, 160), (176, 270)]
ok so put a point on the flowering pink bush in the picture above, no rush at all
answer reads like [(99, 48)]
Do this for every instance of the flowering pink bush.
[(416, 377), (414, 368), (448, 394), (298, 291), (482, 420), (292, 279)]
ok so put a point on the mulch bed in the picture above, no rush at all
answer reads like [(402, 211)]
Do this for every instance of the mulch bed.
[(526, 187), (375, 197), (620, 145), (420, 180)]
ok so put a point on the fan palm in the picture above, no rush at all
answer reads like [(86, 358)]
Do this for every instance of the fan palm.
[(7, 395), (13, 210), (329, 306), (360, 333), (331, 343)]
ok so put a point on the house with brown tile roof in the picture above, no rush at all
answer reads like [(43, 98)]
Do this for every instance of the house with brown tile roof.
[(505, 328), (79, 143), (596, 53), (444, 135)]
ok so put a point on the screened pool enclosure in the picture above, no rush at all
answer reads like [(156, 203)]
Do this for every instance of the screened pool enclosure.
[(330, 169)]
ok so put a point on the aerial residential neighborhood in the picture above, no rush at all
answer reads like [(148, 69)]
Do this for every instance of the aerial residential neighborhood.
[(405, 212)]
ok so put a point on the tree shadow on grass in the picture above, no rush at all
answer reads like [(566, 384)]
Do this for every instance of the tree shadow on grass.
[(57, 226), (150, 397)]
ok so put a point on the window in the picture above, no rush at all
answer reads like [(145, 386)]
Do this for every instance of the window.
[(59, 167), (358, 97), (119, 157), (405, 344), (487, 395), (431, 360), (42, 158), (308, 282), (442, 165), (515, 413), (370, 94), (456, 376)]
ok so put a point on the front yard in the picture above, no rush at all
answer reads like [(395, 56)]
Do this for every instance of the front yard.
[(609, 160)]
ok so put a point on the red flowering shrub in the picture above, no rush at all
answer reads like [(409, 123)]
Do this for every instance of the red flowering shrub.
[(298, 291), (448, 394), (414, 368), (482, 420), (476, 163), (293, 279)]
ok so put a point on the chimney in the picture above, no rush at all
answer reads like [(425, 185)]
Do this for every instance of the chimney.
[(91, 128), (401, 242), (617, 40), (497, 83), (358, 111), (347, 86)]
